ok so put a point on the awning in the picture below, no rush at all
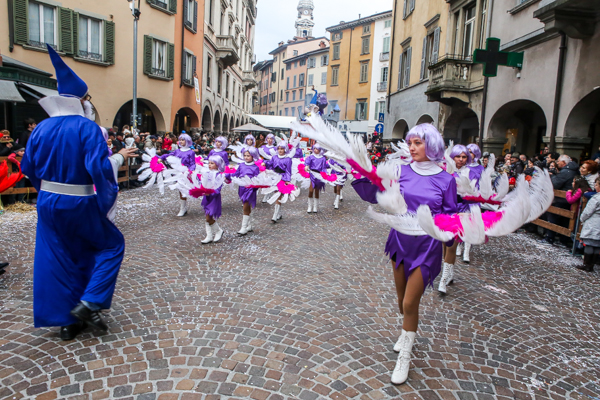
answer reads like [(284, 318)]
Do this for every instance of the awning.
[(250, 128), (273, 121), (9, 92), (44, 92)]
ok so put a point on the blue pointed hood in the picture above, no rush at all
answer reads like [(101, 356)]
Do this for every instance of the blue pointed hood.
[(314, 99), (69, 84)]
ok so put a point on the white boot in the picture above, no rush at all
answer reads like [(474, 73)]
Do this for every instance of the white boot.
[(398, 345), (400, 373), (276, 213), (310, 205), (466, 253), (316, 205), (245, 222), (459, 249), (209, 234), (217, 231), (341, 195), (250, 223), (265, 198), (182, 208), (447, 272), (336, 202)]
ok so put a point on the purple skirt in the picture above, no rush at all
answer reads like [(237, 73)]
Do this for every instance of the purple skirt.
[(415, 252), (317, 184), (247, 195), (212, 205)]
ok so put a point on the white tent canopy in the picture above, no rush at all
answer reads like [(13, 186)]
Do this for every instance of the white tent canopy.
[(250, 128), (273, 121)]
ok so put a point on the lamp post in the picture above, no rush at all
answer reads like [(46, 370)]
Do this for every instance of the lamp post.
[(136, 16)]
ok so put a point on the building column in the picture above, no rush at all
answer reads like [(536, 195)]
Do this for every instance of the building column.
[(494, 145), (571, 146)]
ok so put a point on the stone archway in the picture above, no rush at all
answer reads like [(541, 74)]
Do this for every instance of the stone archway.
[(462, 126), (237, 122), (217, 122), (152, 119), (225, 124), (232, 123), (185, 120), (582, 129), (522, 123), (206, 120), (400, 130), (425, 119)]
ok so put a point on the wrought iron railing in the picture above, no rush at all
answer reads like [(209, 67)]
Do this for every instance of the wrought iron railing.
[(382, 86), (159, 72), (384, 56), (89, 55), (41, 45)]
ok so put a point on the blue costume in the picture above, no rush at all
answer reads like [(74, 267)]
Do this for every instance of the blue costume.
[(78, 249)]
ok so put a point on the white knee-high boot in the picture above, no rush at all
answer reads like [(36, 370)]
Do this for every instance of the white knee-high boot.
[(276, 213), (209, 234), (245, 222), (459, 249), (466, 253), (265, 198), (183, 209), (400, 373), (336, 202), (316, 205), (447, 273), (217, 231), (310, 205)]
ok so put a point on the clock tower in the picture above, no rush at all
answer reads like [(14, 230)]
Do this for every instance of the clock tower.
[(304, 24)]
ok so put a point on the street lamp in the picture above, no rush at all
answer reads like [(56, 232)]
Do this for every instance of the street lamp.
[(136, 16)]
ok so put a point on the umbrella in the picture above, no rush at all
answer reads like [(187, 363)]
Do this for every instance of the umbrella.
[(250, 128)]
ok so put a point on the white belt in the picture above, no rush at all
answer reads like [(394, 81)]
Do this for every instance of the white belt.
[(68, 189)]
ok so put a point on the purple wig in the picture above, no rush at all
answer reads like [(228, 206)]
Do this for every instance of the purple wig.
[(475, 150), (270, 136), (187, 138), (318, 146), (458, 149), (434, 143), (252, 138), (223, 141), (253, 152), (219, 161), (284, 146)]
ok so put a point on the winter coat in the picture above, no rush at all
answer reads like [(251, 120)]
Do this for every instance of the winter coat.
[(591, 179), (564, 179), (591, 219)]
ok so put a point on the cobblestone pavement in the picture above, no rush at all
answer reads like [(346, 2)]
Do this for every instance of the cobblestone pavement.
[(302, 309)]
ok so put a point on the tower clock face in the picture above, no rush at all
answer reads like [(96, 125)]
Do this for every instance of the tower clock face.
[(305, 12)]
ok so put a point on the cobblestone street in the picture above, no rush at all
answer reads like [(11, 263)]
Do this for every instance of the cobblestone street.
[(302, 309)]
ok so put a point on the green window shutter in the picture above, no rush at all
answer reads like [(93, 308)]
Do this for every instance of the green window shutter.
[(21, 21), (109, 42), (65, 17), (195, 16), (171, 61), (147, 55), (194, 60), (173, 6), (75, 31)]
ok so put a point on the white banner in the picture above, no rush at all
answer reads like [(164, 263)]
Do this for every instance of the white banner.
[(197, 87)]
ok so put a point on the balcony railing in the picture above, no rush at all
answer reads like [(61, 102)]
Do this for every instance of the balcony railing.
[(89, 55), (382, 87), (384, 56), (227, 50), (452, 75), (249, 80), (159, 72)]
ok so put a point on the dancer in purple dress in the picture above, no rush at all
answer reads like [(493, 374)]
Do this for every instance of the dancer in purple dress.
[(247, 195), (281, 164), (270, 149), (341, 172), (249, 141), (416, 260), (475, 167), (212, 202), (219, 149), (318, 163), (188, 159)]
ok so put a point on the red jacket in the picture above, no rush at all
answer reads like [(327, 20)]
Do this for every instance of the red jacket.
[(167, 144)]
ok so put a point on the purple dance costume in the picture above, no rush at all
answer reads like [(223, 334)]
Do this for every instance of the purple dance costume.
[(281, 165), (247, 194), (299, 153), (317, 164), (212, 203), (438, 191), (187, 157), (221, 153), (270, 150)]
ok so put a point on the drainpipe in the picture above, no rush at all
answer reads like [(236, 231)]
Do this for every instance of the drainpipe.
[(389, 89), (485, 78), (348, 79), (558, 93), (11, 28), (182, 48)]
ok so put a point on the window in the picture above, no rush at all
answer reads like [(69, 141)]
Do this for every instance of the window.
[(386, 44), (210, 11), (365, 45), (311, 79), (293, 95), (286, 112), (168, 6), (89, 38), (431, 45), (293, 112), (335, 71), (361, 110), (387, 23), (288, 67), (294, 81), (366, 29), (233, 92), (301, 94), (42, 25), (208, 67), (159, 58), (404, 73), (301, 80), (325, 60), (272, 113), (456, 32), (295, 64), (189, 68), (324, 78), (483, 33), (384, 74), (379, 108), (337, 36), (409, 7), (287, 96), (288, 83), (295, 53), (336, 51), (469, 32), (227, 86), (364, 72), (312, 62), (190, 14), (281, 96), (282, 73), (302, 62)]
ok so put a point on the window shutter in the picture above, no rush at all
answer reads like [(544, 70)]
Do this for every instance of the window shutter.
[(183, 67), (407, 75), (147, 55), (173, 6), (412, 5), (194, 60), (424, 58), (75, 29), (185, 12), (195, 16), (400, 75), (171, 61), (357, 112), (405, 8), (436, 44), (20, 21), (109, 42), (65, 22)]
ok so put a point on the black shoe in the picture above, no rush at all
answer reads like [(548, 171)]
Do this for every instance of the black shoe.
[(69, 332), (3, 265), (90, 317)]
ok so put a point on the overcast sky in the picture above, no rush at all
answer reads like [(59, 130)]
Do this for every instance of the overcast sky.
[(275, 21)]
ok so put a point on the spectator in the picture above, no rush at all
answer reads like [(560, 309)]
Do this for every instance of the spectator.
[(118, 143), (549, 158), (6, 143), (167, 142), (530, 168), (580, 186), (29, 124), (589, 170), (596, 155), (149, 143), (590, 232), (516, 165), (523, 159), (552, 168)]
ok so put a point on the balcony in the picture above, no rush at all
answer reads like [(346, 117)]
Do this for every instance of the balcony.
[(248, 80), (227, 50), (576, 18), (382, 87), (453, 78), (384, 56)]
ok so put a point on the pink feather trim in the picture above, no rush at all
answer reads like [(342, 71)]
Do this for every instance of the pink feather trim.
[(491, 218), (260, 165), (257, 187), (284, 188), (302, 171), (156, 166), (480, 199), (230, 170), (355, 174), (201, 191), (329, 177), (448, 223), (199, 161), (372, 175)]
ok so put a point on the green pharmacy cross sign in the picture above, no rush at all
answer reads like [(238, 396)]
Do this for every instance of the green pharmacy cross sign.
[(492, 57)]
